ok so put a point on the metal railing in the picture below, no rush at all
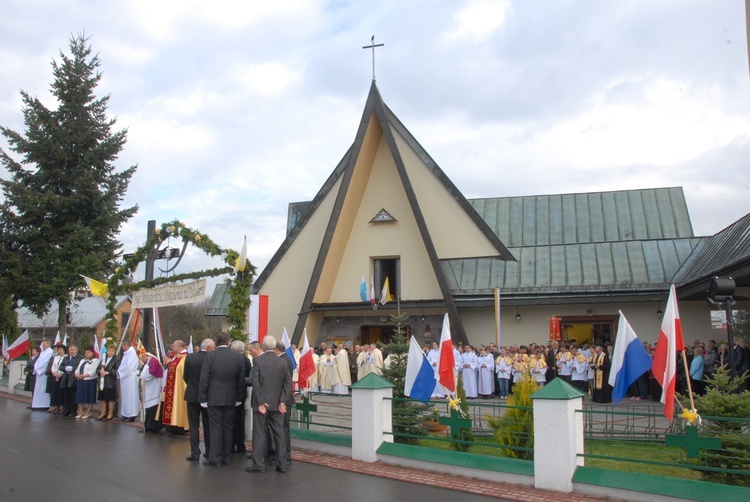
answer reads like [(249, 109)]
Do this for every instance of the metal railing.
[(488, 428), (323, 412), (717, 450)]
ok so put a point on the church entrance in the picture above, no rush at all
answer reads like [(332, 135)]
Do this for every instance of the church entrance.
[(375, 334), (592, 330)]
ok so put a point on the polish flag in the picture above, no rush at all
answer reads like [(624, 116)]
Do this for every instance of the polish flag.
[(446, 366), (665, 358), (20, 346), (306, 364)]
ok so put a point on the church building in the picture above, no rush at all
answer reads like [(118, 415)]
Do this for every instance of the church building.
[(551, 265)]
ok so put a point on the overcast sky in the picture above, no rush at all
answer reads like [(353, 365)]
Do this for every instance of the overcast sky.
[(236, 108)]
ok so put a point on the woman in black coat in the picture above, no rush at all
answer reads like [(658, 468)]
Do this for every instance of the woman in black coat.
[(107, 384)]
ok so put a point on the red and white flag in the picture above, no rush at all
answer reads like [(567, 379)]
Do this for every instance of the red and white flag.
[(306, 363), (446, 366), (20, 346), (665, 357), (57, 338), (97, 348)]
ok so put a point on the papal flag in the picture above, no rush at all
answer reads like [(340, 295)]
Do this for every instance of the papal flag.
[(97, 288), (385, 296), (241, 262)]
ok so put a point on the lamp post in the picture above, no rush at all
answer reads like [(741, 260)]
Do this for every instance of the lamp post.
[(720, 292)]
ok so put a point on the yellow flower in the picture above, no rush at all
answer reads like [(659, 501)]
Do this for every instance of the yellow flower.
[(197, 238), (117, 270), (172, 228), (454, 403), (690, 415), (157, 231)]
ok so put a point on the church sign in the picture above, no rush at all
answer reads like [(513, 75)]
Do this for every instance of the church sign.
[(166, 296)]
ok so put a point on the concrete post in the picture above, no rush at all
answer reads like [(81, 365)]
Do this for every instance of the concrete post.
[(558, 435), (16, 376), (371, 416)]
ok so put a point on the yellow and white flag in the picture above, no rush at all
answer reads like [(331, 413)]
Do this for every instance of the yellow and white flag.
[(241, 262), (97, 288), (385, 296)]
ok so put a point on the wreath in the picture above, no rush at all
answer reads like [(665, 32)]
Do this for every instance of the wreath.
[(239, 282)]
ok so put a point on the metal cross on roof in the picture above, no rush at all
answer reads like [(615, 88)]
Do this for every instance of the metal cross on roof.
[(372, 46)]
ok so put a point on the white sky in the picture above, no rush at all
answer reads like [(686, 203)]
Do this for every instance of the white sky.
[(236, 108)]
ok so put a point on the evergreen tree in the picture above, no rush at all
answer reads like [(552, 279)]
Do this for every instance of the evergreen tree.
[(407, 415), (61, 213)]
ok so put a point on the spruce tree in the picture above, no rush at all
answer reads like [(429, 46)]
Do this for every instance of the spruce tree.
[(407, 415), (61, 213)]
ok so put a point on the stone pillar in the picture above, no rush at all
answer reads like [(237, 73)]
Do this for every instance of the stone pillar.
[(558, 435), (371, 416)]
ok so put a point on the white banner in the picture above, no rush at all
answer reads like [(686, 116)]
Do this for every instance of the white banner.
[(165, 296)]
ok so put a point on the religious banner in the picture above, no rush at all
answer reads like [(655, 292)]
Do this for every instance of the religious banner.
[(554, 329), (166, 296)]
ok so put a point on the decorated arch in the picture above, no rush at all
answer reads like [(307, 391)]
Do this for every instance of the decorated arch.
[(241, 273)]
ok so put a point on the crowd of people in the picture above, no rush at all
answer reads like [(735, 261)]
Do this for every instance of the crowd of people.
[(183, 390)]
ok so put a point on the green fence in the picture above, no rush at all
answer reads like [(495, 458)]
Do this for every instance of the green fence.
[(329, 413), (717, 450), (435, 425)]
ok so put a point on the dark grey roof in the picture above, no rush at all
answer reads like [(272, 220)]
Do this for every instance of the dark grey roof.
[(726, 253)]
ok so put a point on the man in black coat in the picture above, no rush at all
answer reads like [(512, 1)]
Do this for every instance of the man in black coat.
[(290, 402), (68, 381), (221, 387), (272, 382), (238, 441), (192, 376)]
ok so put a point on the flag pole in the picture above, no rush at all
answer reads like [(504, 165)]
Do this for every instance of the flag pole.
[(687, 379)]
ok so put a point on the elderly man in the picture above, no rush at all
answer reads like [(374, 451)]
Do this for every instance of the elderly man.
[(222, 386), (272, 382), (174, 415), (238, 432)]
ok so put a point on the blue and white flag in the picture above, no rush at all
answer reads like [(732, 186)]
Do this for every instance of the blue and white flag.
[(629, 360), (420, 377), (363, 292), (288, 348)]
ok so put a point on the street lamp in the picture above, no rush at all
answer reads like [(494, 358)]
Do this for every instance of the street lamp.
[(720, 293)]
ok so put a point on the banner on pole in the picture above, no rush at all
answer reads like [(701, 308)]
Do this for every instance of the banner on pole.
[(167, 296)]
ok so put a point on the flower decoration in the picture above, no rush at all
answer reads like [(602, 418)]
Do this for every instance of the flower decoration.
[(691, 416)]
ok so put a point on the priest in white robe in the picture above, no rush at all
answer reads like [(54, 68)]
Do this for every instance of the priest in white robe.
[(486, 377), (40, 399), (128, 378), (327, 376), (342, 371), (374, 361), (469, 363), (151, 376)]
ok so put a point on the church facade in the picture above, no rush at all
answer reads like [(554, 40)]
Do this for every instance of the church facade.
[(388, 211)]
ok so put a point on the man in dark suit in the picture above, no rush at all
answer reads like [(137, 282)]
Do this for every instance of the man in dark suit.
[(281, 354), (272, 382), (238, 441), (68, 366), (192, 376), (221, 387)]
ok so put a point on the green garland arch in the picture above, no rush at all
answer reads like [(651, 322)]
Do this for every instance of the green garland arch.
[(239, 283)]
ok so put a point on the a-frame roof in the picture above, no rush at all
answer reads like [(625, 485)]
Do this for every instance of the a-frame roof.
[(376, 114)]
